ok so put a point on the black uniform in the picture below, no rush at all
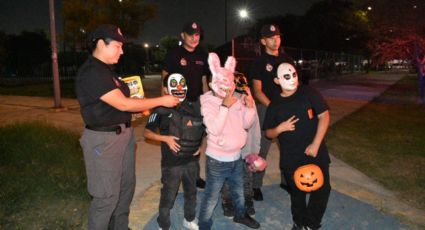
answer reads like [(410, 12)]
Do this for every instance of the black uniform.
[(305, 104), (264, 69), (108, 145), (192, 65), (94, 79)]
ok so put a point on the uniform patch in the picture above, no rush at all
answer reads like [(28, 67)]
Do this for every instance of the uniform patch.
[(183, 62), (310, 113), (117, 83), (269, 67)]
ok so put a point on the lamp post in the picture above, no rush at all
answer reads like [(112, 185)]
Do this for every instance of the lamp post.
[(55, 70), (146, 45)]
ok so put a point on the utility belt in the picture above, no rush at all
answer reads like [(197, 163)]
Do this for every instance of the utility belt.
[(113, 128)]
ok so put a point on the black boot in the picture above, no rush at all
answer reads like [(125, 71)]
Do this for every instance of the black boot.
[(228, 209), (258, 195), (249, 206), (247, 221)]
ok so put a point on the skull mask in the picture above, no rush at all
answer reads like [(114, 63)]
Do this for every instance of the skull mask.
[(287, 76), (176, 86)]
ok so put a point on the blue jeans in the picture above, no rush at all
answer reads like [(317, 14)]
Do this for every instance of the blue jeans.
[(217, 172)]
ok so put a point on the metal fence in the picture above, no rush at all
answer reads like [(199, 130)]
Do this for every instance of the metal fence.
[(312, 64)]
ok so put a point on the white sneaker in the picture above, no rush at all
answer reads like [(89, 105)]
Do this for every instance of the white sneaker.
[(193, 225)]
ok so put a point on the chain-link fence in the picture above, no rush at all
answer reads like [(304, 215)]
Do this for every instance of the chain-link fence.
[(312, 64)]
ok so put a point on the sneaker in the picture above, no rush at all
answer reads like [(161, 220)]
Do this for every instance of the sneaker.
[(284, 187), (192, 225), (200, 183), (247, 221), (258, 195)]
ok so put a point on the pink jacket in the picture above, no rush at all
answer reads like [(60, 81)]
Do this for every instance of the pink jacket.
[(226, 127)]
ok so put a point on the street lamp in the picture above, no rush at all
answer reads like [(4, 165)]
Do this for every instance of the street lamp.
[(146, 45), (243, 14)]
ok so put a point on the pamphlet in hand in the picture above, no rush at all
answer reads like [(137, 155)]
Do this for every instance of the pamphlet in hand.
[(136, 90)]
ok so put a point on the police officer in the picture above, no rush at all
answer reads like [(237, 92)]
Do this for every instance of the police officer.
[(191, 62), (108, 142)]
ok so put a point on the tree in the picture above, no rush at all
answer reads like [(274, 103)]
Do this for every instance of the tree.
[(397, 28), (82, 16), (166, 43), (27, 53), (335, 25), (331, 25)]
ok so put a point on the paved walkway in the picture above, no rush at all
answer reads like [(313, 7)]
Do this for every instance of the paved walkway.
[(354, 194)]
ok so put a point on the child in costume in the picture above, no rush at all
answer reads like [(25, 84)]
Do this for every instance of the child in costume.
[(299, 118), (226, 119), (180, 133), (249, 153)]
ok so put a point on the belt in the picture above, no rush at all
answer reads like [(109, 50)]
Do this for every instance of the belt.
[(113, 128)]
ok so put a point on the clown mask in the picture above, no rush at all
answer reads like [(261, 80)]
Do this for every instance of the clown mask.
[(287, 76), (222, 77), (177, 86)]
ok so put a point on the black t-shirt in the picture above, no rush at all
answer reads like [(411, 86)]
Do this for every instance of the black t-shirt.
[(160, 120), (306, 103), (264, 69), (192, 65), (94, 79)]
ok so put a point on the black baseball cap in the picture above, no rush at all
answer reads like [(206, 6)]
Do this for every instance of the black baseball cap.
[(269, 30), (191, 28), (107, 31)]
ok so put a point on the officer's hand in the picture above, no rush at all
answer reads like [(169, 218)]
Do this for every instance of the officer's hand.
[(169, 101)]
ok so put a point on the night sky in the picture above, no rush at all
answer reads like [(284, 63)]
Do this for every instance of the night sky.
[(18, 15)]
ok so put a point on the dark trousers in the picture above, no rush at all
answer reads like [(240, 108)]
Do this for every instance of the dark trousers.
[(309, 213), (226, 195), (171, 178)]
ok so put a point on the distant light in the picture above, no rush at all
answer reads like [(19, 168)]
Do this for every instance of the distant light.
[(82, 30), (300, 61), (120, 1), (180, 43), (347, 39), (146, 45), (369, 8), (243, 13), (415, 6), (157, 46)]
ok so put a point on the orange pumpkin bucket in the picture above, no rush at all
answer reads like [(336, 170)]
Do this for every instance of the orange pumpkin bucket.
[(308, 178)]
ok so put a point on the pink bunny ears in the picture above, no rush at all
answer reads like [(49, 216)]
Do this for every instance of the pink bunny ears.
[(222, 77)]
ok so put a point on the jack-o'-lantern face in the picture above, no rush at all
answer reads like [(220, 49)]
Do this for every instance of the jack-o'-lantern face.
[(308, 178)]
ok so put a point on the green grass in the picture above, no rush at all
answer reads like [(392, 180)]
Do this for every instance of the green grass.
[(39, 90), (42, 178), (385, 140)]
